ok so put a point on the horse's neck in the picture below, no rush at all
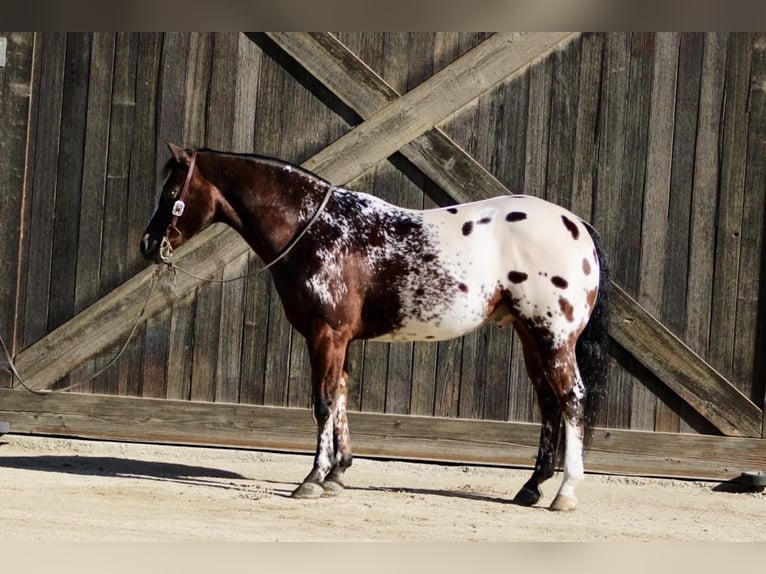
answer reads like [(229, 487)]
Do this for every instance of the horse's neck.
[(270, 203)]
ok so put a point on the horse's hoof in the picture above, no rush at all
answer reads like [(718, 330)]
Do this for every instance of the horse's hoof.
[(562, 502), (332, 487), (526, 497), (308, 490)]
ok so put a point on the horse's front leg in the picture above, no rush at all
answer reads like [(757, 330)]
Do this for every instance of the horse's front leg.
[(327, 350)]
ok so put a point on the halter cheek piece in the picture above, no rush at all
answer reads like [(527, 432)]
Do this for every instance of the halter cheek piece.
[(166, 251)]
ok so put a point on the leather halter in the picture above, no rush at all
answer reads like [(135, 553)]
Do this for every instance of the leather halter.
[(180, 205)]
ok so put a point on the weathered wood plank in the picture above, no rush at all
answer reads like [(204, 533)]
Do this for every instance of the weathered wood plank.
[(380, 435), (15, 94), (43, 187), (703, 214), (198, 70), (94, 169), (643, 403), (680, 369), (563, 124), (227, 369), (69, 178), (751, 263), (730, 203), (538, 128), (609, 197), (586, 138), (178, 374), (676, 274)]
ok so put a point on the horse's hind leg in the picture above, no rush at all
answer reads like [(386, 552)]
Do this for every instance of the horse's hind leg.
[(530, 493), (327, 350), (567, 392), (571, 393)]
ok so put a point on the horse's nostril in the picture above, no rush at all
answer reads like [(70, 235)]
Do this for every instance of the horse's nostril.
[(148, 246)]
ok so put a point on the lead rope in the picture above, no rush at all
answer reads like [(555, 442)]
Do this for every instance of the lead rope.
[(139, 319)]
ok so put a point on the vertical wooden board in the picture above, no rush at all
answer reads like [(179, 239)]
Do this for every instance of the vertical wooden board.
[(143, 181), (94, 169), (15, 93), (43, 187), (473, 374), (254, 334), (707, 178), (69, 178), (647, 170), (672, 310), (635, 175), (279, 335), (751, 263), (299, 378), (586, 139), (608, 198), (156, 352), (222, 93), (730, 203), (648, 136), (141, 193), (206, 329), (563, 124), (129, 367), (355, 361), (171, 96), (115, 216), (499, 382), (449, 378), (374, 377), (246, 95), (522, 400), (198, 64), (424, 368), (228, 373), (180, 347), (538, 128)]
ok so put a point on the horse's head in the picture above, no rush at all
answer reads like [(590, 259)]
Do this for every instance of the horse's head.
[(186, 206)]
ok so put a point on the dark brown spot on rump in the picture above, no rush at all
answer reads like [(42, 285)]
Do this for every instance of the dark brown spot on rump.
[(428, 257), (484, 220), (467, 227), (571, 226), (517, 276), (585, 266), (463, 287), (516, 216), (452, 210), (566, 309), (559, 282)]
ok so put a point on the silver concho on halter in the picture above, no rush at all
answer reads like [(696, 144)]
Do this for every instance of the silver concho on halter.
[(178, 208)]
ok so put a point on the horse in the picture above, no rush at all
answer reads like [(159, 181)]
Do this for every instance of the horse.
[(348, 265)]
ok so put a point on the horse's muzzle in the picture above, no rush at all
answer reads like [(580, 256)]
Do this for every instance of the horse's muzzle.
[(150, 248)]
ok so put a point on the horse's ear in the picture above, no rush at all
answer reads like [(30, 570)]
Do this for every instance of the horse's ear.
[(179, 153)]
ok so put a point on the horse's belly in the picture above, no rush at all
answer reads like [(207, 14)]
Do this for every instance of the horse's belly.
[(448, 323)]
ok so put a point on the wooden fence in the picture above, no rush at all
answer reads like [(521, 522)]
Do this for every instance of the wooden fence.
[(658, 139)]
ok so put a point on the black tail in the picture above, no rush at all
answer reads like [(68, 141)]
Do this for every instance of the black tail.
[(591, 349)]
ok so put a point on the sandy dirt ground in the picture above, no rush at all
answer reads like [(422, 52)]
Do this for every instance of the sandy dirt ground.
[(73, 490)]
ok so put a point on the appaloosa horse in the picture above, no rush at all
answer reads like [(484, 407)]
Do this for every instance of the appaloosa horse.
[(361, 268)]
